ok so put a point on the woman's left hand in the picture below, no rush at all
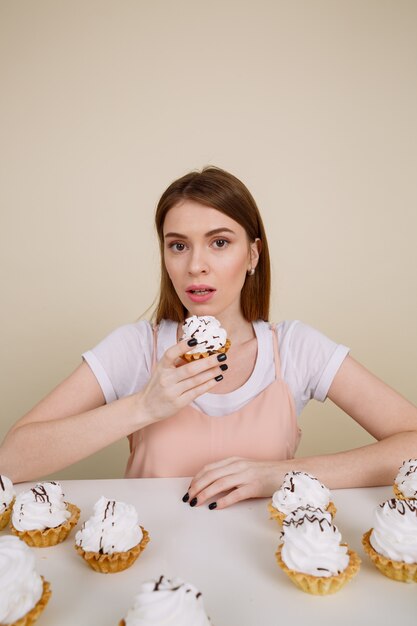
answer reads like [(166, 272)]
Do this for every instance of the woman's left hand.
[(235, 479)]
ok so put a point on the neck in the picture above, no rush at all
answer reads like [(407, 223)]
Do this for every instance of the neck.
[(238, 329)]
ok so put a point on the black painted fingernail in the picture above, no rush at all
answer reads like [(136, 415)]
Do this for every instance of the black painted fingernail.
[(193, 502), (223, 367), (186, 497), (222, 357), (219, 377), (192, 342), (212, 506)]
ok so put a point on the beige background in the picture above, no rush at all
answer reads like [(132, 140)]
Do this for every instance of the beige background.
[(311, 103)]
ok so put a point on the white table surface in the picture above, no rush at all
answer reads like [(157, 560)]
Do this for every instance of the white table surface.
[(228, 555)]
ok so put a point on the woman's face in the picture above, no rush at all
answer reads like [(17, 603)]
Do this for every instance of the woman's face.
[(207, 255)]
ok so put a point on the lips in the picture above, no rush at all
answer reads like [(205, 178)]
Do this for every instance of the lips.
[(199, 290), (200, 293)]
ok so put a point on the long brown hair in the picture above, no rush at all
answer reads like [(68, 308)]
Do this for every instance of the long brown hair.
[(220, 190)]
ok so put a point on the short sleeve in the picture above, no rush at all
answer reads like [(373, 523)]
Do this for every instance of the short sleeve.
[(121, 362), (309, 361)]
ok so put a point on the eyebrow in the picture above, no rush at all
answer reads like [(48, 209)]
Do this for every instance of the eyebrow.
[(210, 233)]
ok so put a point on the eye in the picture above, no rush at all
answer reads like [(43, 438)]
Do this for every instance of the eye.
[(177, 246), (220, 243)]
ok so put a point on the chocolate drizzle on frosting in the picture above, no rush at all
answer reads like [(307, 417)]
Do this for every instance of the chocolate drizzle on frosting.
[(169, 586), (413, 468), (310, 516), (401, 505), (38, 500), (206, 345), (291, 475), (158, 582), (3, 488), (40, 494), (110, 504)]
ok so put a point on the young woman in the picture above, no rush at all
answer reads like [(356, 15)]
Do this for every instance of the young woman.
[(231, 423)]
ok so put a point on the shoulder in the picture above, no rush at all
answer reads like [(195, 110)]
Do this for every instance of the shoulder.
[(286, 329), (297, 328), (292, 335), (140, 335), (309, 359), (299, 337), (126, 342), (122, 360)]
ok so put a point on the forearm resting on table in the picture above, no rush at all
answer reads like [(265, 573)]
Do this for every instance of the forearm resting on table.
[(36, 448), (372, 465)]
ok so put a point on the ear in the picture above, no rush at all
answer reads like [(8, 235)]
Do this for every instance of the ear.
[(255, 251)]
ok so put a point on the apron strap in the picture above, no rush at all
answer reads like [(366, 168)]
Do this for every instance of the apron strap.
[(155, 344), (273, 328)]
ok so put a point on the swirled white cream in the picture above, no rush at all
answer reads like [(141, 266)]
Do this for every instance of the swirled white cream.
[(395, 530), (311, 543), (171, 602), (7, 493), (406, 479), (300, 489), (113, 527), (208, 332), (20, 585), (41, 507)]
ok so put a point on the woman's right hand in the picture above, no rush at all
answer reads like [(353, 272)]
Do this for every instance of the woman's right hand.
[(175, 384)]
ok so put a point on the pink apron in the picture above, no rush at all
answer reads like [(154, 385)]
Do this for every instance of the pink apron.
[(265, 429)]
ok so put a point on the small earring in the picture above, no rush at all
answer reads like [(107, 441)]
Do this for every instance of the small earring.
[(251, 271)]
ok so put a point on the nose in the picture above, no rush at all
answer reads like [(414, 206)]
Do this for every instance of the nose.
[(197, 262)]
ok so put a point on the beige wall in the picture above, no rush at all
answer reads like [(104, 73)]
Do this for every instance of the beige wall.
[(311, 103)]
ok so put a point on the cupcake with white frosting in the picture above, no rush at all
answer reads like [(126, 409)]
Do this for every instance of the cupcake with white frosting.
[(167, 601), (41, 517), (23, 592), (392, 542), (311, 552), (111, 539), (7, 496), (299, 489), (405, 485), (211, 337)]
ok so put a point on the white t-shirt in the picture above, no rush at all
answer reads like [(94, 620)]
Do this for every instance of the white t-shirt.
[(309, 362)]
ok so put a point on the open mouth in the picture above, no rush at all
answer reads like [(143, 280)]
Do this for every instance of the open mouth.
[(200, 293)]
